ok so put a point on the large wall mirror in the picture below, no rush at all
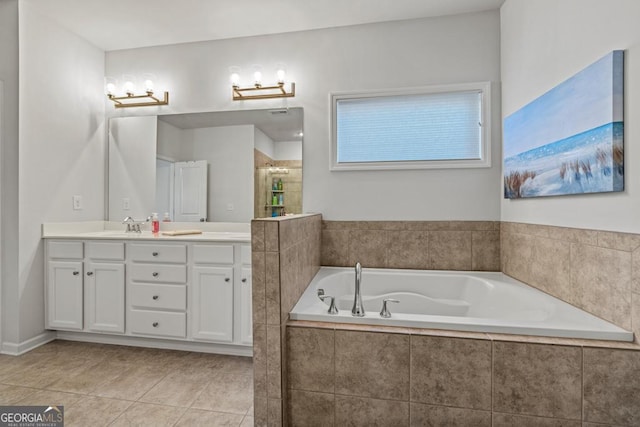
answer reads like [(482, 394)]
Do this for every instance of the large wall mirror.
[(228, 166)]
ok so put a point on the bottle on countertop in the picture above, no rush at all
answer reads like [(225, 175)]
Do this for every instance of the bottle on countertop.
[(155, 224), (166, 217)]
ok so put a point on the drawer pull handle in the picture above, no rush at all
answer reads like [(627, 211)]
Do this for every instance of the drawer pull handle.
[(155, 297), (154, 274), (244, 280), (154, 253), (75, 273), (89, 273), (226, 279), (155, 324)]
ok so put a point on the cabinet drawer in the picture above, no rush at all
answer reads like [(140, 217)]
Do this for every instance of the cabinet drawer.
[(169, 297), (106, 250), (213, 254), (158, 273), (69, 250), (158, 253), (158, 323)]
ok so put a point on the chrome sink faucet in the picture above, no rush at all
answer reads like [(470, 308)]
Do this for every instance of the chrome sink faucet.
[(132, 225), (358, 309)]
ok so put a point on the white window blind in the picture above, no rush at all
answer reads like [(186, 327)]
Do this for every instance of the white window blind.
[(419, 129)]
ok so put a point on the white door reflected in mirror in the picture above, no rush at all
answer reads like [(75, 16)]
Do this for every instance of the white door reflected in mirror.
[(190, 186)]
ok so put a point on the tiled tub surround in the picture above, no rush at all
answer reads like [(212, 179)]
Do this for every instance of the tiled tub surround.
[(597, 271), (342, 375), (425, 245), (532, 381), (285, 257)]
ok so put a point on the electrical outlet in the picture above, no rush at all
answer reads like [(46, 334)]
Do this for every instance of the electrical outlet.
[(229, 206), (125, 204), (77, 203)]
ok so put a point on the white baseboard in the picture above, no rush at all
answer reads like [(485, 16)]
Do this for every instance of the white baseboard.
[(232, 350), (16, 349)]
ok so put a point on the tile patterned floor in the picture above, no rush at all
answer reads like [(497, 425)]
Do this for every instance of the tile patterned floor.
[(109, 385)]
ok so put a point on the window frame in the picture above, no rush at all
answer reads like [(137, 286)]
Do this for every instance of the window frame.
[(484, 88)]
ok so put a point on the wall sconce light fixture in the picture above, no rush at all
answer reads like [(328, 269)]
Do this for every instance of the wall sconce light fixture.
[(258, 91), (130, 99)]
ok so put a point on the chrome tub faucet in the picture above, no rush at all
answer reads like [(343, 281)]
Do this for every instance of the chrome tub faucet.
[(358, 309)]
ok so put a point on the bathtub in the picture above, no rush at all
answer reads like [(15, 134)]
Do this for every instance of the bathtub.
[(463, 301)]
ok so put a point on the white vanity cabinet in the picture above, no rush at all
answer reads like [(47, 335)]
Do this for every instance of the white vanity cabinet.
[(64, 276), (104, 287), (219, 303), (245, 316), (85, 286), (194, 291)]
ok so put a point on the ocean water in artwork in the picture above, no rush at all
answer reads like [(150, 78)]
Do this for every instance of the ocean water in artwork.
[(589, 162)]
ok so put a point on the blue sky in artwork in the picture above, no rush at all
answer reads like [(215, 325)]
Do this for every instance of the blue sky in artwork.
[(580, 103)]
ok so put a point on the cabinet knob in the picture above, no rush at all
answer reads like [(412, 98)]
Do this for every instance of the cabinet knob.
[(89, 273), (155, 324), (154, 253), (227, 279), (244, 280), (154, 274), (75, 273), (155, 297)]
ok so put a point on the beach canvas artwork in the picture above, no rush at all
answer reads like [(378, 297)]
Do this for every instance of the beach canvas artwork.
[(569, 140)]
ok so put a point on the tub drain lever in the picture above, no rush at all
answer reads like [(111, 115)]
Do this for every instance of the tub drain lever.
[(332, 305), (385, 311)]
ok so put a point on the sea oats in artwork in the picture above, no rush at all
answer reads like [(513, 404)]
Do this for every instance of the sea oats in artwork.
[(569, 140)]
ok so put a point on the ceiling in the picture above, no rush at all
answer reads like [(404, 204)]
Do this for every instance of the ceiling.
[(126, 24), (281, 124)]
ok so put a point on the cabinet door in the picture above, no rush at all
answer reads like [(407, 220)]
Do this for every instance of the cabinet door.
[(246, 324), (212, 304), (64, 295), (104, 297)]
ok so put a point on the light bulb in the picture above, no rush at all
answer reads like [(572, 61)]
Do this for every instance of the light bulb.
[(111, 88), (148, 85), (235, 79), (257, 77), (281, 75), (128, 88)]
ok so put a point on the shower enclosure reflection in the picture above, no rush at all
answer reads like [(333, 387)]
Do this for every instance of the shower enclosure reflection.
[(278, 185)]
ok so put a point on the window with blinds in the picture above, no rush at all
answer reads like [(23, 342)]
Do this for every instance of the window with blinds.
[(425, 128)]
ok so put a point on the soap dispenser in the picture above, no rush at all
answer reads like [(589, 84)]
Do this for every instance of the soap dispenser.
[(155, 224)]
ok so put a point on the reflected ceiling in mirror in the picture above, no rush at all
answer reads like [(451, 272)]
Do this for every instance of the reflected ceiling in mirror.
[(282, 124)]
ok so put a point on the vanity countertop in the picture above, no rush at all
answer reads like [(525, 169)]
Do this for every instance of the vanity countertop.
[(103, 230)]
